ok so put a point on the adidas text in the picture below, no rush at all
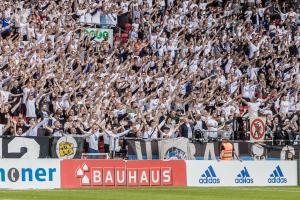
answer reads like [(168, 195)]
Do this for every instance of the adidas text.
[(244, 180), (209, 180), (277, 180)]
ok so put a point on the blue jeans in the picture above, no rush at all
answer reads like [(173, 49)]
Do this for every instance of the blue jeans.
[(90, 150)]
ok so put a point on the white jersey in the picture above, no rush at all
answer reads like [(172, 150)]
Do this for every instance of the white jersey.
[(253, 109), (93, 140)]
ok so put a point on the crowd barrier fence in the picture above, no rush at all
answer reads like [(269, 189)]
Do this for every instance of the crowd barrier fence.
[(70, 147)]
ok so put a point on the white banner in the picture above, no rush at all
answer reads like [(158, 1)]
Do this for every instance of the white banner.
[(29, 174), (174, 149), (246, 173)]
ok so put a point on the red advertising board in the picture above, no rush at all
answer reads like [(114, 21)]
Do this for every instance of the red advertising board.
[(118, 173)]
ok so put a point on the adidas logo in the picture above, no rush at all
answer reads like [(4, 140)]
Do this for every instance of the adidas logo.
[(277, 176), (209, 177), (244, 177)]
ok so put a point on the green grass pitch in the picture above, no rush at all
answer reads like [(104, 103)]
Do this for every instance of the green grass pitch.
[(236, 193)]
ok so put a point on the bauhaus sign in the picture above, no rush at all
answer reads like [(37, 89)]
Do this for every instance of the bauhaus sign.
[(98, 176), (114, 173)]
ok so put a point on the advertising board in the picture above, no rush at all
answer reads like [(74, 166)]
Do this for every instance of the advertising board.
[(118, 173), (246, 173), (29, 174)]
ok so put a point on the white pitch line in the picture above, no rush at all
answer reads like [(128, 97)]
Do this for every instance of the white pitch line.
[(176, 189), (267, 190), (9, 199), (95, 190)]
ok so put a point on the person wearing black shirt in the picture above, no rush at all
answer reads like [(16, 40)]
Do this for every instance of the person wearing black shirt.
[(4, 114), (277, 130)]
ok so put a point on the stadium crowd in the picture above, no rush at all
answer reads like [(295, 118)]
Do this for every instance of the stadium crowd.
[(191, 68)]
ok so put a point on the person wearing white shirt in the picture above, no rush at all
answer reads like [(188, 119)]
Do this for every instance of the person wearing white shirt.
[(114, 138), (297, 102), (212, 126), (5, 95), (284, 105), (252, 90), (246, 91), (228, 132), (30, 107), (26, 91), (34, 127), (92, 137), (253, 107), (152, 132), (254, 47), (172, 132), (56, 130), (153, 104)]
